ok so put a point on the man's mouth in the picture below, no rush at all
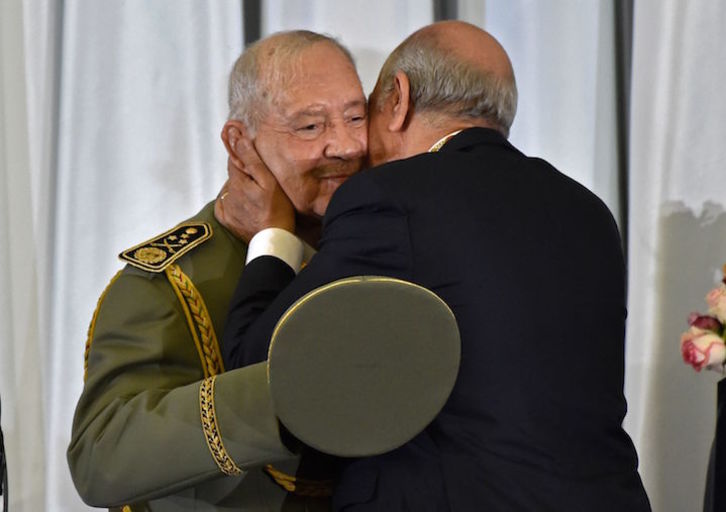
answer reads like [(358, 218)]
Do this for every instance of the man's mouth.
[(334, 175), (336, 179)]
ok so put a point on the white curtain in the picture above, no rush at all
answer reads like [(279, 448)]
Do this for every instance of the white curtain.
[(677, 236), (109, 121), (22, 351), (370, 29), (111, 113)]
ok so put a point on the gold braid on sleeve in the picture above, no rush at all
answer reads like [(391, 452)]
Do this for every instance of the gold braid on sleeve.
[(211, 429), (199, 320)]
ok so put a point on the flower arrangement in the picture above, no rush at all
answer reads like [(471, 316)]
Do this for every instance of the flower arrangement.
[(703, 345)]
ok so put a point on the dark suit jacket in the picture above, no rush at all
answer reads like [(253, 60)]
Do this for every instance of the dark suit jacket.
[(530, 262), (715, 496)]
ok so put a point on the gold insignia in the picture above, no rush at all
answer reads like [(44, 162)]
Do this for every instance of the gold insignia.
[(156, 254), (150, 255)]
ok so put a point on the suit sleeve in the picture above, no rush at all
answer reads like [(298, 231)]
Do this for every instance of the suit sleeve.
[(365, 233), (137, 433), (261, 281)]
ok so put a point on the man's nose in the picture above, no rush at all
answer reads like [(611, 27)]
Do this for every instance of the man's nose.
[(346, 142)]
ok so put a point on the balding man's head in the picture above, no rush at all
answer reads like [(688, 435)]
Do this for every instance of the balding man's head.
[(297, 96), (455, 69), (267, 68)]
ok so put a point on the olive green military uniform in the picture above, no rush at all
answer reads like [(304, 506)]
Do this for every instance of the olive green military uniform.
[(159, 425)]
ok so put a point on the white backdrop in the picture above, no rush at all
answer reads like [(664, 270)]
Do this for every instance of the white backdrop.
[(110, 115), (677, 235), (138, 93), (21, 351)]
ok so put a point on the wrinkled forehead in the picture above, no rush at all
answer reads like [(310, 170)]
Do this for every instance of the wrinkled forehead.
[(320, 77)]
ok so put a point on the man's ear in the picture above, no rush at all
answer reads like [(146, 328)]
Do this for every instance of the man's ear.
[(232, 132), (401, 108)]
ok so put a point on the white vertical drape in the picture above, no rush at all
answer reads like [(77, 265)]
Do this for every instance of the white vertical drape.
[(370, 29), (22, 348), (677, 236), (140, 94)]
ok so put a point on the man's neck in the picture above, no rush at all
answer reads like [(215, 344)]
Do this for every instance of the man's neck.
[(423, 133)]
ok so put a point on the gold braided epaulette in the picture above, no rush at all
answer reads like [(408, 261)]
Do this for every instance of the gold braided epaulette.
[(158, 253)]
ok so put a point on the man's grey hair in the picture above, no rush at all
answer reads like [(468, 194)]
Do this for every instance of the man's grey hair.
[(265, 68), (442, 83)]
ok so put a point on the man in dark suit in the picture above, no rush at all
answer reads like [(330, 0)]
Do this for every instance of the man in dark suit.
[(529, 261)]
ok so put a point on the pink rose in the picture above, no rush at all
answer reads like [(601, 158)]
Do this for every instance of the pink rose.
[(716, 299), (703, 349), (705, 322)]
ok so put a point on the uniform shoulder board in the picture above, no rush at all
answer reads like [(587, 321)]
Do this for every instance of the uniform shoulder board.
[(158, 253)]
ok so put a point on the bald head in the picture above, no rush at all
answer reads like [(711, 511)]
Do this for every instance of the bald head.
[(456, 70), (468, 43)]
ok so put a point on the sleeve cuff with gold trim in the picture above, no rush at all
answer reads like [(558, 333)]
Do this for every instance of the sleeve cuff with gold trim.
[(211, 429)]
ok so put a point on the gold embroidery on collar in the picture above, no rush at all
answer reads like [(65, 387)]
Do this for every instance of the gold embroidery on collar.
[(211, 429)]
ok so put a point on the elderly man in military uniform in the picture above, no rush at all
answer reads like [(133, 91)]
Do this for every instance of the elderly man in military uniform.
[(160, 425)]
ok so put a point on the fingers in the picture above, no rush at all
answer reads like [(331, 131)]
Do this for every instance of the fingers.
[(254, 167), (251, 199)]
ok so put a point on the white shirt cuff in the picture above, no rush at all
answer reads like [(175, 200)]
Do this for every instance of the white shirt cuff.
[(278, 243)]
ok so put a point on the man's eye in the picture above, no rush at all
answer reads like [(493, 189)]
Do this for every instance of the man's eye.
[(309, 128), (357, 119), (309, 131)]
